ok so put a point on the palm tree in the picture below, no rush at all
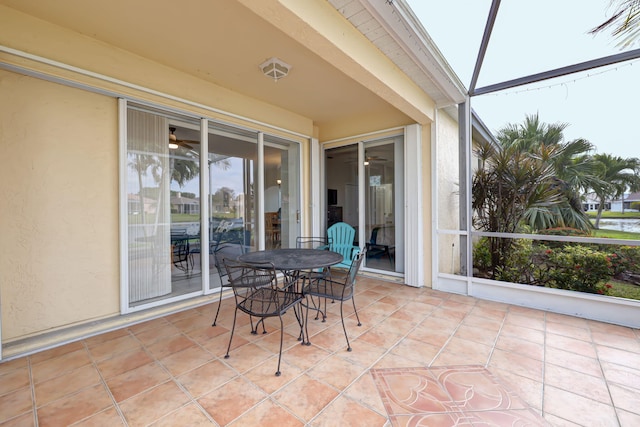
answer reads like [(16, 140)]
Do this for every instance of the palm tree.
[(570, 161), (616, 174), (509, 186), (625, 22)]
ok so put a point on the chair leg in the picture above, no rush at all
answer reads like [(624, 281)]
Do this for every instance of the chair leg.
[(281, 340), (233, 328), (299, 312), (344, 328), (215, 319), (353, 300), (306, 328)]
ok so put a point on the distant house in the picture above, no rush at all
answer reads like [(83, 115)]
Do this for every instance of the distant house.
[(591, 203), (624, 203), (184, 205), (134, 205)]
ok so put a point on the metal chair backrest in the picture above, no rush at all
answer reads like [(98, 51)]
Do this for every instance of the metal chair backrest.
[(254, 276), (350, 280), (222, 253), (313, 242)]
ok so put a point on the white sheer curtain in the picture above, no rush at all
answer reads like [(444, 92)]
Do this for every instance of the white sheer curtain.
[(149, 177)]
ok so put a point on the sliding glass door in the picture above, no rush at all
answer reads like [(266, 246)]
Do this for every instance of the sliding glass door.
[(163, 205), (374, 169), (233, 160), (251, 201), (281, 193)]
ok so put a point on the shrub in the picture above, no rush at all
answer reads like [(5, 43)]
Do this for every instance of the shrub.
[(562, 231), (482, 255), (518, 266), (579, 268)]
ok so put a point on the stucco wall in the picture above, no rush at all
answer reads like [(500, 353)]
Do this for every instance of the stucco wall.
[(427, 208), (58, 215), (59, 168), (448, 196)]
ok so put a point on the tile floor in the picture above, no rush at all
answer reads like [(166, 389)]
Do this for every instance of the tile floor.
[(421, 358)]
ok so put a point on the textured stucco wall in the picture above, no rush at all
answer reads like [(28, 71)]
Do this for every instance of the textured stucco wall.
[(448, 193), (59, 209)]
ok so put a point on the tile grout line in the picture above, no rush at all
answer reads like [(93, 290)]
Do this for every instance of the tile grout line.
[(103, 381), (604, 378), (364, 372), (32, 386), (367, 370)]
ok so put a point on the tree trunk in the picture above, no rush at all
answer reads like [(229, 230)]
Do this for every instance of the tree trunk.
[(599, 215)]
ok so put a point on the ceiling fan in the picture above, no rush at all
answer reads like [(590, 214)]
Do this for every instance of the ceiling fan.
[(373, 159), (175, 143)]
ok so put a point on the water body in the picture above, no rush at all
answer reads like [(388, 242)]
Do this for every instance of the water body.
[(630, 225)]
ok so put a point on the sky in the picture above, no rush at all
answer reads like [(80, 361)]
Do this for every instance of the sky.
[(529, 37)]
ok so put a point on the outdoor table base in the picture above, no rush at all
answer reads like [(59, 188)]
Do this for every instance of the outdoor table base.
[(291, 262)]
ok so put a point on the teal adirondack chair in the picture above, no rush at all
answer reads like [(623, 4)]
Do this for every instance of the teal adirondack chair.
[(341, 236)]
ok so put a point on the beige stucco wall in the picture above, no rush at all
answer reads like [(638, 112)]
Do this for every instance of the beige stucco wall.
[(427, 210), (59, 169), (58, 215), (33, 36), (448, 190)]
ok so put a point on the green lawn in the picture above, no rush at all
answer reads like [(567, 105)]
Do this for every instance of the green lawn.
[(609, 214), (615, 234), (624, 290)]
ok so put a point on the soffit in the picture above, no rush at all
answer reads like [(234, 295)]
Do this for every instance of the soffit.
[(222, 42), (395, 30)]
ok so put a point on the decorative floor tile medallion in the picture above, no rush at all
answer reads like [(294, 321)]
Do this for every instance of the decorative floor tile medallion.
[(451, 396)]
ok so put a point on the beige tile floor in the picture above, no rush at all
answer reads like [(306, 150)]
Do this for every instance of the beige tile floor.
[(560, 370)]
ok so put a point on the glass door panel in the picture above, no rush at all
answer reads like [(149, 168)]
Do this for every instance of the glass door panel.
[(383, 189), (163, 201), (382, 204), (341, 172), (232, 157), (281, 192)]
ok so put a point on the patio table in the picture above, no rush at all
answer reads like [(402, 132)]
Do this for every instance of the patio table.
[(294, 259)]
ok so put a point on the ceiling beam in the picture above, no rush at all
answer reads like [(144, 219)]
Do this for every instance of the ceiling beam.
[(558, 72), (491, 19)]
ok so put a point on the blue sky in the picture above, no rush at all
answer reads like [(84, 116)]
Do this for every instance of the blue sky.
[(529, 37)]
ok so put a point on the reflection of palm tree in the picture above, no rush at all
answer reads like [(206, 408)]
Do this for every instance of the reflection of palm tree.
[(220, 161), (184, 166), (141, 163)]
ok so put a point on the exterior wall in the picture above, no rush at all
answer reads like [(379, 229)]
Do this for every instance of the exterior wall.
[(25, 33), (60, 248), (427, 210), (448, 197), (59, 167), (59, 224)]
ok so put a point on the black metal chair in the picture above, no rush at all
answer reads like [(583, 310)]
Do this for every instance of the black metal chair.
[(220, 254), (314, 243), (256, 290), (181, 255), (334, 289), (323, 273)]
